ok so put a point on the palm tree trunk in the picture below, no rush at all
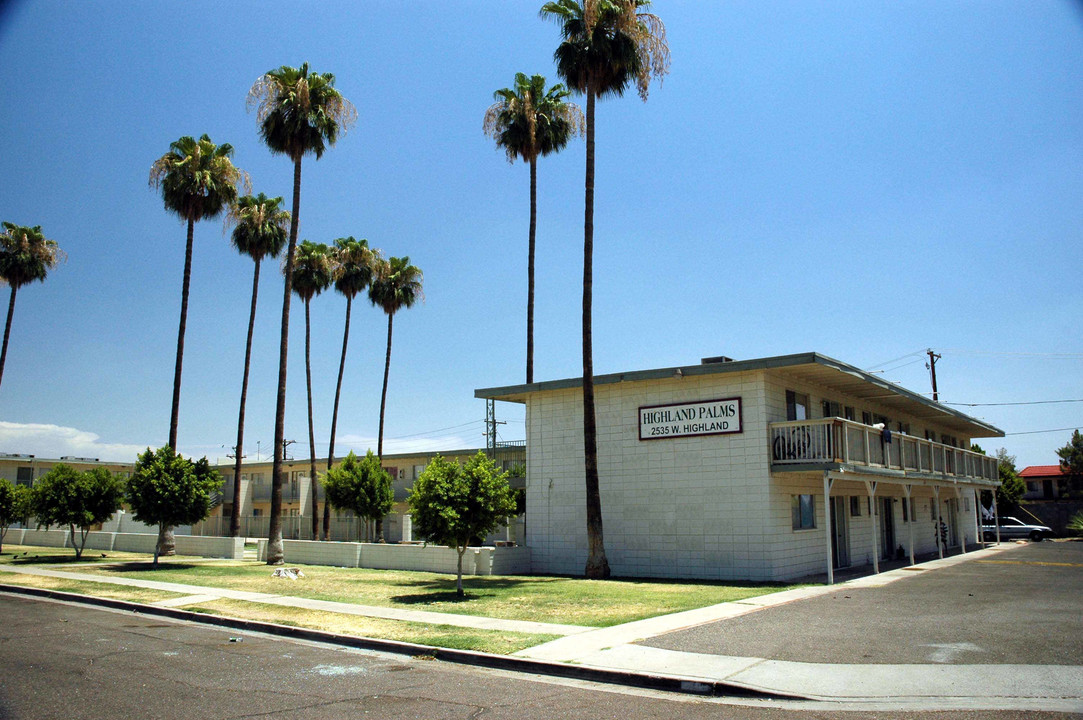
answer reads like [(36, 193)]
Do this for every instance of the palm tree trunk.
[(311, 431), (7, 331), (235, 518), (530, 272), (275, 555), (334, 413), (175, 414), (597, 565), (383, 395)]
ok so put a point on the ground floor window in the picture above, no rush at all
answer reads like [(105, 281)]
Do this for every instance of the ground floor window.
[(803, 512), (855, 506)]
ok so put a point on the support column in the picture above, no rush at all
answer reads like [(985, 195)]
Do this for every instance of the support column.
[(938, 520), (977, 517), (910, 514), (871, 488), (996, 516), (828, 482), (959, 509)]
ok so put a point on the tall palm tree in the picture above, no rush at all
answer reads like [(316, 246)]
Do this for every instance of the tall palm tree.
[(529, 121), (198, 180), (261, 229), (26, 255), (300, 113), (607, 44), (312, 274), (396, 284), (354, 262)]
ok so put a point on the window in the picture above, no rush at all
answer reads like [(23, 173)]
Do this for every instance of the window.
[(796, 405), (855, 506), (877, 419), (256, 512), (949, 440), (866, 417), (932, 510), (848, 413), (24, 476), (930, 435), (903, 427), (906, 509), (830, 409), (803, 512)]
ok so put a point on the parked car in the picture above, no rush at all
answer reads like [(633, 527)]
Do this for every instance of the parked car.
[(1013, 529)]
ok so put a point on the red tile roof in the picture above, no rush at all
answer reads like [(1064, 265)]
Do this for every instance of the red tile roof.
[(1035, 471)]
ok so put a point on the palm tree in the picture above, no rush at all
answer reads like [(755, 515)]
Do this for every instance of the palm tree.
[(606, 45), (300, 113), (198, 180), (396, 284), (529, 122), (312, 274), (26, 255), (261, 231), (354, 262)]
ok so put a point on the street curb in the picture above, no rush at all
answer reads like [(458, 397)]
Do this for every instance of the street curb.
[(669, 683)]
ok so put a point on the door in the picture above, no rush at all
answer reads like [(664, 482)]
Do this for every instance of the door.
[(953, 522), (887, 528), (840, 538)]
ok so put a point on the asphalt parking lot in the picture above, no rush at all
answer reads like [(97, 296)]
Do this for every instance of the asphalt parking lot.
[(1021, 606)]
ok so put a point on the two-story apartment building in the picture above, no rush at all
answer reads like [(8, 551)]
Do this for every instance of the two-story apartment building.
[(767, 469), (297, 503)]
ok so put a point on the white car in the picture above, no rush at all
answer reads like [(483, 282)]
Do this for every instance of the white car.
[(1012, 529)]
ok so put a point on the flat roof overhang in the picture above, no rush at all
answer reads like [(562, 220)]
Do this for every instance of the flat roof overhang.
[(809, 367)]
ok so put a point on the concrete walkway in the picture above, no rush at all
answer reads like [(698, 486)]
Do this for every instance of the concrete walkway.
[(914, 686)]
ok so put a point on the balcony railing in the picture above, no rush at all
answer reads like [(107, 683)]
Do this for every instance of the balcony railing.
[(261, 491), (834, 440)]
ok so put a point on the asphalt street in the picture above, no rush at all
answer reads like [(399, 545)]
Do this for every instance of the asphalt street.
[(1025, 606), (68, 661)]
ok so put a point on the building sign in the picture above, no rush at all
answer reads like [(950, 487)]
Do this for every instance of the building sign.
[(702, 417)]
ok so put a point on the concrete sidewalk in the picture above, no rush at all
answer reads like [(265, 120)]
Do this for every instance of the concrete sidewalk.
[(689, 658)]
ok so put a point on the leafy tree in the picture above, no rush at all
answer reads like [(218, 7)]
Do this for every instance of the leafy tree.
[(260, 231), (354, 263), (607, 44), (26, 255), (452, 503), (312, 274), (361, 486), (300, 113), (396, 284), (65, 496), (167, 489), (1011, 488), (198, 181), (529, 121), (1071, 463), (7, 508), (23, 504)]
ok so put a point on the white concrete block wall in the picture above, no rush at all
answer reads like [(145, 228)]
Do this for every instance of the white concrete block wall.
[(217, 547), (136, 542), (311, 552), (14, 536), (47, 538), (100, 541)]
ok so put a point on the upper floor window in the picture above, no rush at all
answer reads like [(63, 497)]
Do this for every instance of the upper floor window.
[(848, 413), (796, 405), (830, 409), (866, 417)]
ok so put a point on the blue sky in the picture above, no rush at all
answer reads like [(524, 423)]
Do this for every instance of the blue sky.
[(862, 179)]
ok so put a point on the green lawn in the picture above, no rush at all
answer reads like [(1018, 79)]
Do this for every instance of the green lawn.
[(547, 599)]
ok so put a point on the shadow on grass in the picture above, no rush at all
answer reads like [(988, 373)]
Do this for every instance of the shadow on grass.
[(145, 565), (32, 559), (442, 596)]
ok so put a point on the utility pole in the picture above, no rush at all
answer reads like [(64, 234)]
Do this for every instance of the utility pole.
[(234, 455), (285, 444), (490, 427), (933, 357)]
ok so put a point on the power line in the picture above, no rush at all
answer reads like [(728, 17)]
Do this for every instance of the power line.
[(1059, 356), (429, 432), (1036, 432), (1032, 402), (903, 357)]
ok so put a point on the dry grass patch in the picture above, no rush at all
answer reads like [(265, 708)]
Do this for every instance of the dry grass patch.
[(38, 555), (445, 636), (91, 589)]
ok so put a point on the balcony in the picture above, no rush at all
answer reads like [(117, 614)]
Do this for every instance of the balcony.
[(833, 443)]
